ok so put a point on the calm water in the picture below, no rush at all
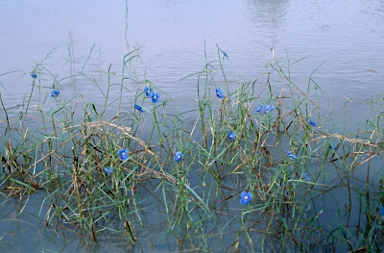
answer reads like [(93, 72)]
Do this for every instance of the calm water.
[(345, 37)]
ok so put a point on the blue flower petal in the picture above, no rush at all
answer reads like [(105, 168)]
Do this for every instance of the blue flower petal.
[(139, 108), (123, 154), (291, 155), (312, 123), (155, 97), (306, 177), (109, 171), (55, 93), (219, 93), (245, 198), (148, 92), (382, 212), (333, 146), (259, 108), (178, 156), (268, 108), (224, 53), (232, 136), (34, 75)]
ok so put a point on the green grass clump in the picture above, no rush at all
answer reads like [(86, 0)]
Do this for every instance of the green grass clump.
[(313, 189)]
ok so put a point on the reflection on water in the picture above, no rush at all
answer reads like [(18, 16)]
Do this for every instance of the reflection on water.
[(268, 18)]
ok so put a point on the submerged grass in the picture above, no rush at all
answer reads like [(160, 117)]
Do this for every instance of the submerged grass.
[(307, 188)]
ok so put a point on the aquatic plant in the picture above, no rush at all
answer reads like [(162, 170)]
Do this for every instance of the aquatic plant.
[(219, 93), (148, 92), (224, 53), (139, 108), (155, 97), (268, 108), (382, 212), (78, 156), (245, 198), (55, 93), (178, 156), (123, 154), (312, 123), (332, 146), (291, 155), (108, 170), (231, 135)]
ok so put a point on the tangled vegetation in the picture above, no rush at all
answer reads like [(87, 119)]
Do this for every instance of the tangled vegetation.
[(250, 166)]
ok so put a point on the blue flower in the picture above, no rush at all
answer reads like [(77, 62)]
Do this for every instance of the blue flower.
[(219, 93), (291, 155), (148, 92), (34, 75), (232, 136), (245, 198), (259, 108), (268, 108), (139, 108), (178, 156), (55, 93), (306, 177), (224, 53), (109, 171), (333, 146), (382, 212), (155, 97), (312, 123), (123, 154)]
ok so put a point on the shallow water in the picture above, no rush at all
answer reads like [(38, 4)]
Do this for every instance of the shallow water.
[(343, 40)]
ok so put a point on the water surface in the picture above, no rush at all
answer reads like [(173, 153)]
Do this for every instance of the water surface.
[(343, 41)]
